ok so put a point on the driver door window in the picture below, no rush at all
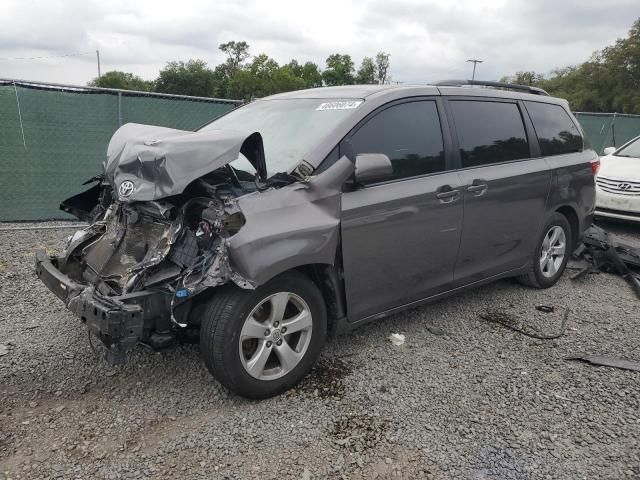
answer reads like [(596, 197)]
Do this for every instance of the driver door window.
[(409, 134)]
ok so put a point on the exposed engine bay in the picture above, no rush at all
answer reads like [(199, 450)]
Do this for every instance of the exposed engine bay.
[(133, 246)]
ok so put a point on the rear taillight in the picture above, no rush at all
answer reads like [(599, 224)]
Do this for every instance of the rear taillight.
[(595, 166)]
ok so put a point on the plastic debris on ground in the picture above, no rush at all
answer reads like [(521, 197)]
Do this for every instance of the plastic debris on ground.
[(545, 308), (397, 339), (601, 251), (601, 360)]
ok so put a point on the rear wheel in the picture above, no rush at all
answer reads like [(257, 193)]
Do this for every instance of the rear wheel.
[(551, 254), (258, 343)]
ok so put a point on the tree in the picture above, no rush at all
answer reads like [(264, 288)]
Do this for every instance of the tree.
[(190, 78), (309, 72), (284, 81), (524, 78), (221, 82), (339, 70), (622, 64), (121, 80), (367, 72), (264, 77), (311, 75), (609, 81), (382, 68), (237, 52)]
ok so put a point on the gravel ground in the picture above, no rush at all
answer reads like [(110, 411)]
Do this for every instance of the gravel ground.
[(462, 398)]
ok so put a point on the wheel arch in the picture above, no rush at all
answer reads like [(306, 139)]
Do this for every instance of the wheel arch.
[(574, 222), (326, 277), (329, 281)]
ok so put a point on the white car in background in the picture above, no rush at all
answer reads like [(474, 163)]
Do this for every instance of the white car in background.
[(618, 182)]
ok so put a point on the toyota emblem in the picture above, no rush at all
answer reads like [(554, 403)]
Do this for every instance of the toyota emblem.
[(126, 188), (624, 186)]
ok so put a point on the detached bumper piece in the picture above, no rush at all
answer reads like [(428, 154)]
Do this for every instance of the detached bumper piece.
[(119, 321), (601, 251), (118, 325)]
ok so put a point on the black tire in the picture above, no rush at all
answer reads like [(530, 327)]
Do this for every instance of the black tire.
[(223, 321), (536, 278)]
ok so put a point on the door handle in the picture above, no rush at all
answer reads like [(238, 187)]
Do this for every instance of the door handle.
[(477, 187), (447, 194)]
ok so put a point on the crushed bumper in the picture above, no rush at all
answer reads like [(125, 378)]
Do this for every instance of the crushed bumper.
[(119, 321)]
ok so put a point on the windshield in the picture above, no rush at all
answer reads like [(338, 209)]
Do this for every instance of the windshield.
[(289, 128), (631, 150)]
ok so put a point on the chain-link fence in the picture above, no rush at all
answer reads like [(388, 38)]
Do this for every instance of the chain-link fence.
[(608, 129), (54, 137)]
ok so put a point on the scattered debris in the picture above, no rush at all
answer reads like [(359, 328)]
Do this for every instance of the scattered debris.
[(607, 361), (510, 321), (434, 329), (4, 350), (545, 308), (397, 339), (600, 251)]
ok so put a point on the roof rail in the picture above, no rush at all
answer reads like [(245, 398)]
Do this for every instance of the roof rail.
[(484, 83)]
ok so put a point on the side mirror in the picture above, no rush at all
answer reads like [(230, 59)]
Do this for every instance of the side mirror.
[(373, 167), (609, 150)]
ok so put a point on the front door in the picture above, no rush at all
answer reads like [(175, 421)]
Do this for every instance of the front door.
[(400, 236)]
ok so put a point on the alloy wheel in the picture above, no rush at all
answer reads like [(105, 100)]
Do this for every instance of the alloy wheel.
[(275, 336), (554, 248)]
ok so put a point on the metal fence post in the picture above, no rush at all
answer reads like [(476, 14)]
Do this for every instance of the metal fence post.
[(119, 109), (24, 142)]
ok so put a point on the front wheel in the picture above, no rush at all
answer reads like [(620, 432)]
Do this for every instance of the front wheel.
[(259, 343), (551, 254)]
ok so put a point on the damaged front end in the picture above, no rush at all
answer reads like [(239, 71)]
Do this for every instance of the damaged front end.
[(161, 217)]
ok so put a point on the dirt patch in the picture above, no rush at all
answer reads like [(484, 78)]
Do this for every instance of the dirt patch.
[(326, 379)]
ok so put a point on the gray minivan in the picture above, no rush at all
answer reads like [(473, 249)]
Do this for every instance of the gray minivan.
[(316, 211)]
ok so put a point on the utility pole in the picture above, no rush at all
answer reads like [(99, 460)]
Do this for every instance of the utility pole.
[(475, 62), (98, 56)]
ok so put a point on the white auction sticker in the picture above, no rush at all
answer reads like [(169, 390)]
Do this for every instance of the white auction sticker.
[(340, 105)]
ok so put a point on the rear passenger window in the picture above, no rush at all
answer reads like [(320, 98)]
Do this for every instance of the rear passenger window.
[(409, 134), (489, 132), (557, 134)]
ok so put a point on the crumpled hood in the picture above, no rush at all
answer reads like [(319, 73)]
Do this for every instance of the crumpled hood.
[(146, 162)]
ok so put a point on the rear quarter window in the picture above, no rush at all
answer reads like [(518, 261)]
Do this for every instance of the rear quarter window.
[(557, 134)]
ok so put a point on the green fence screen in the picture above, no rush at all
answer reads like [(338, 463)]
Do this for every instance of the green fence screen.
[(608, 129), (54, 138)]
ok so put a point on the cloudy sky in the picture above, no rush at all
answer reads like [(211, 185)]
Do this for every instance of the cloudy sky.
[(428, 40)]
